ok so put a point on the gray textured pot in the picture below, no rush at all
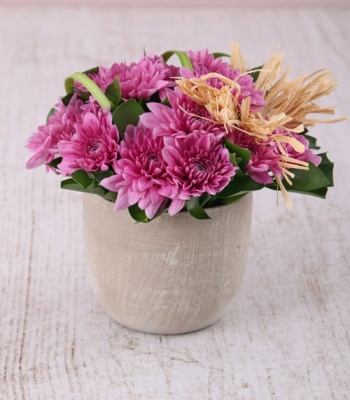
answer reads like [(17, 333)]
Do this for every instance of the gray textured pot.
[(173, 275)]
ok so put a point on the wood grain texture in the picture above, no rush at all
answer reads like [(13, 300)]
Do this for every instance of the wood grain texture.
[(287, 334), (178, 3)]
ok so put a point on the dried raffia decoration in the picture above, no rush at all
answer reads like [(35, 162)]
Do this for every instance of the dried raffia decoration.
[(270, 71), (297, 98), (223, 106), (288, 104), (237, 61)]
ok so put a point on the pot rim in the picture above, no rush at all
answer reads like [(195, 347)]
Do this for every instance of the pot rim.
[(214, 210)]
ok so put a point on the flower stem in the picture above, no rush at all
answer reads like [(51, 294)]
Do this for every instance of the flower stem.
[(90, 85)]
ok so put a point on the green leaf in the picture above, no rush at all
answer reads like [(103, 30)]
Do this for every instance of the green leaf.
[(240, 185), (310, 179), (90, 85), (110, 196), (327, 166), (100, 175), (93, 70), (94, 184), (240, 174), (166, 102), (113, 92), (183, 57), (255, 72), (243, 154), (234, 160), (137, 214), (227, 200), (204, 199), (312, 142), (82, 178), (71, 184), (320, 193), (81, 181), (67, 98), (83, 95), (195, 208), (209, 202), (54, 163), (218, 54), (100, 191), (51, 113), (127, 113)]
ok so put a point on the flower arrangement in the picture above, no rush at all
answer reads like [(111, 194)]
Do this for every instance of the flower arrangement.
[(154, 137)]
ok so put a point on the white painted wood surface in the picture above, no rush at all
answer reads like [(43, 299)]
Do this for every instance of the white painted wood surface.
[(287, 334), (178, 3)]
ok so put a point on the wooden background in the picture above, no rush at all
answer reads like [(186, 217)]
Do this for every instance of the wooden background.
[(178, 3), (287, 334)]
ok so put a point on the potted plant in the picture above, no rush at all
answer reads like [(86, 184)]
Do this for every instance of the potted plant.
[(179, 150)]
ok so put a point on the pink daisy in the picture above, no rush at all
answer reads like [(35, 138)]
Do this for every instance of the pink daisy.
[(308, 155), (140, 172), (198, 164), (143, 79), (60, 126), (94, 146), (183, 117), (264, 161)]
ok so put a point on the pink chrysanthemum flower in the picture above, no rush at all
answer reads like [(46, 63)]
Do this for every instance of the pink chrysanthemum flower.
[(246, 84), (183, 117), (103, 77), (308, 155), (140, 172), (264, 161), (204, 63), (198, 164), (143, 79), (94, 146), (60, 126)]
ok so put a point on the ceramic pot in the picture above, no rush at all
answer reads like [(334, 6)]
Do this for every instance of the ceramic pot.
[(172, 275)]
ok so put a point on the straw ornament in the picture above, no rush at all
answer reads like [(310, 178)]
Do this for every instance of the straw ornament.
[(288, 104)]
